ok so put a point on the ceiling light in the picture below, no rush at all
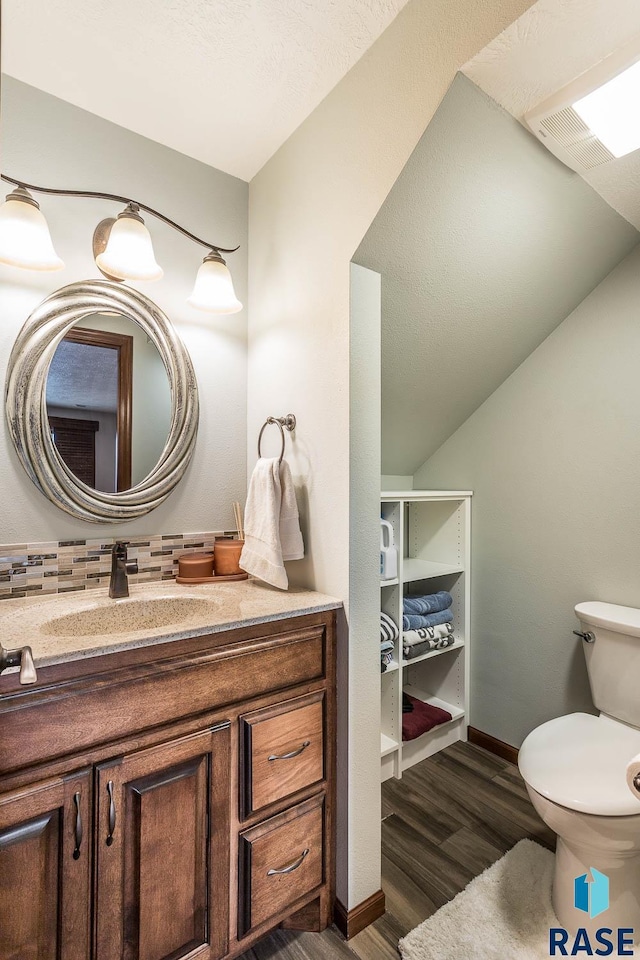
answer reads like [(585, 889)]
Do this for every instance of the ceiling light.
[(122, 248), (128, 254), (611, 112), (25, 240), (213, 290)]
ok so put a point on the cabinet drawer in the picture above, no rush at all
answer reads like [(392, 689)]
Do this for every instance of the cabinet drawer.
[(281, 860), (283, 750), (43, 723)]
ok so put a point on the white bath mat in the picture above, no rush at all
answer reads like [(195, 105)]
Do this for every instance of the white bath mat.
[(504, 914)]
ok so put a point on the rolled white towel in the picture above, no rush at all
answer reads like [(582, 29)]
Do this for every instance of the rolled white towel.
[(633, 776)]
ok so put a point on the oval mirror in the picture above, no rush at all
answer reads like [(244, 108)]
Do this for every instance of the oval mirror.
[(102, 401)]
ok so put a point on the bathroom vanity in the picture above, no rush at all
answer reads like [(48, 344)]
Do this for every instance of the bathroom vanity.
[(167, 792)]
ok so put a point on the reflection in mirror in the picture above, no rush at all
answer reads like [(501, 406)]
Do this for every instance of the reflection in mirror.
[(108, 402)]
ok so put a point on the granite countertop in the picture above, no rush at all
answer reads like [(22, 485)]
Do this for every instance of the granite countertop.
[(66, 627)]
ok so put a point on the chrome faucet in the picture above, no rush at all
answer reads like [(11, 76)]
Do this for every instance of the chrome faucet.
[(23, 658), (120, 569)]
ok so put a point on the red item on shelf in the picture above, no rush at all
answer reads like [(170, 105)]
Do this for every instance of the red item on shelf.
[(423, 717)]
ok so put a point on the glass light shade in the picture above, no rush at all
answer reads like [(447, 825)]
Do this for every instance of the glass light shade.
[(611, 112), (25, 240), (213, 290), (129, 252)]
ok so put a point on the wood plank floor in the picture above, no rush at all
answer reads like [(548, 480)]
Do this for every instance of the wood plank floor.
[(447, 820)]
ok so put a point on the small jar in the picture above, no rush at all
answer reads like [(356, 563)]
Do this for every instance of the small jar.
[(226, 557), (195, 566)]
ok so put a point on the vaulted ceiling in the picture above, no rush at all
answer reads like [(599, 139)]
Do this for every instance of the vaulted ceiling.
[(485, 244), (223, 81)]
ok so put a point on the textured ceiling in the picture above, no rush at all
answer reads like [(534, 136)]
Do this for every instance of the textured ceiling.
[(552, 43), (83, 376), (224, 81), (485, 244)]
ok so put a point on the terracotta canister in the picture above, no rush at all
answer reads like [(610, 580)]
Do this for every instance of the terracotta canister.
[(195, 566), (226, 557)]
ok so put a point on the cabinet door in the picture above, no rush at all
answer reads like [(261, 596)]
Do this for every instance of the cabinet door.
[(45, 870), (162, 851)]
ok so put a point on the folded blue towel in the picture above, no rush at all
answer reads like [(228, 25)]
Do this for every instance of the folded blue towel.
[(414, 622), (432, 603)]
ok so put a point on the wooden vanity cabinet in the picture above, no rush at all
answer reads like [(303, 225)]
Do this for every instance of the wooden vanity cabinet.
[(205, 822)]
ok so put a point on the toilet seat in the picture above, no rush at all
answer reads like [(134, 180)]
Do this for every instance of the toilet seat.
[(579, 761)]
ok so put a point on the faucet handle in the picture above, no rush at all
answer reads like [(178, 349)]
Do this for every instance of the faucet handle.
[(23, 658), (132, 566), (27, 667)]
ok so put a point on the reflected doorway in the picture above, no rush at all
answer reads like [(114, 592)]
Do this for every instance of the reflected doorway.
[(89, 404)]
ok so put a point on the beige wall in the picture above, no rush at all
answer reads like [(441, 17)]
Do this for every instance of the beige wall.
[(309, 208), (552, 457)]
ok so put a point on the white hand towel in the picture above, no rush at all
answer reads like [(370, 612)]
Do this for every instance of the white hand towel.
[(262, 553), (272, 531), (633, 771), (290, 535)]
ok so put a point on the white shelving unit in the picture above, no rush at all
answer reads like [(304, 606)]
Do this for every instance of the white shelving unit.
[(432, 533)]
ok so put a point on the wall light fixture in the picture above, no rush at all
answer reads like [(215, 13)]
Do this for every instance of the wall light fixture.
[(122, 246)]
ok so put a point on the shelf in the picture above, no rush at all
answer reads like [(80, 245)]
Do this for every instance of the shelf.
[(431, 495), (432, 529), (413, 569), (456, 645), (387, 745), (456, 712), (394, 665)]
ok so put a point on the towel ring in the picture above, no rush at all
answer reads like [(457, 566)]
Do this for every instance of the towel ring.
[(283, 423)]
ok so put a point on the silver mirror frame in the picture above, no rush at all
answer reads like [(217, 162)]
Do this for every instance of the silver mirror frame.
[(26, 408)]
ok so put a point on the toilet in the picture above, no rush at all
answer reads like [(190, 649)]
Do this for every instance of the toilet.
[(574, 768)]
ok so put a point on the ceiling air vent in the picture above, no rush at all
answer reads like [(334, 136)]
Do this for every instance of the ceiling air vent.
[(573, 128), (570, 139)]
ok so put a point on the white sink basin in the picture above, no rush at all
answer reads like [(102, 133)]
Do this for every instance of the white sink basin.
[(128, 616)]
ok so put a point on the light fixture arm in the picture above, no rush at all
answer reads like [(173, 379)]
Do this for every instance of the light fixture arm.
[(92, 194)]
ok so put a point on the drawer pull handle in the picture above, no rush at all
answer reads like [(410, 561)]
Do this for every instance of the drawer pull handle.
[(112, 813), (292, 866), (294, 753), (78, 827)]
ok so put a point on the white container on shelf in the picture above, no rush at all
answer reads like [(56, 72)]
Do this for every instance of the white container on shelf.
[(388, 552)]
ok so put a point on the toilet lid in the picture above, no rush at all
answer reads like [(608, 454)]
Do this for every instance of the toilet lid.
[(580, 762)]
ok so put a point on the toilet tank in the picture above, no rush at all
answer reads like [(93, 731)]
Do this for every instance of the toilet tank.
[(613, 660)]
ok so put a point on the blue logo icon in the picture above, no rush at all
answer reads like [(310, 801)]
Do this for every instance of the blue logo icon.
[(591, 895)]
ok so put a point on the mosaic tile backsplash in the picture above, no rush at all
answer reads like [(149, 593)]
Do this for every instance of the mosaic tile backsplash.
[(64, 566)]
